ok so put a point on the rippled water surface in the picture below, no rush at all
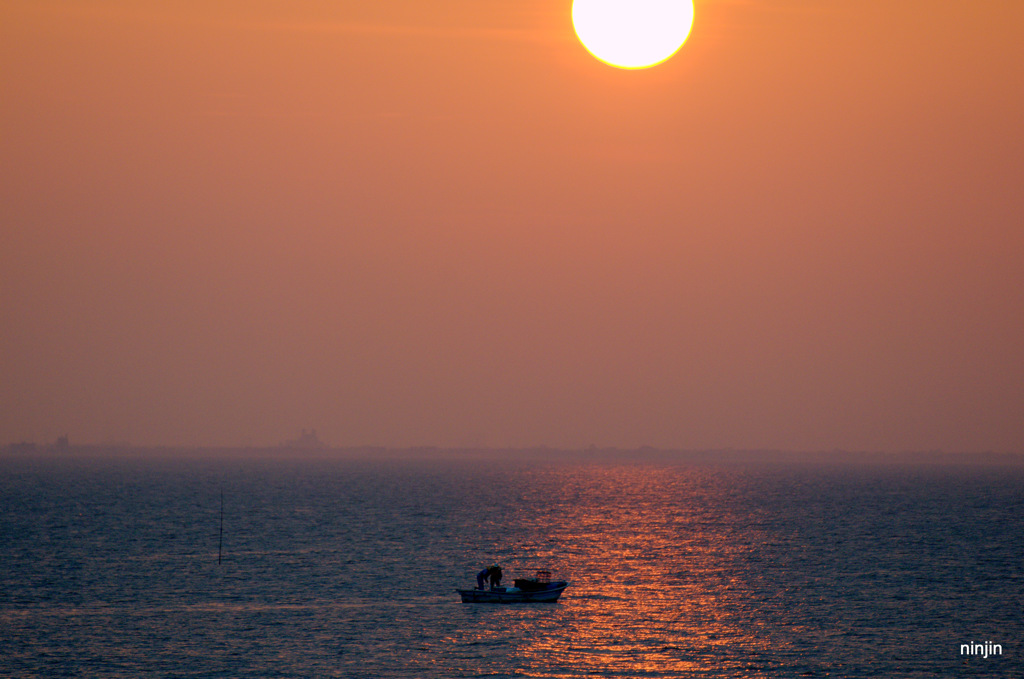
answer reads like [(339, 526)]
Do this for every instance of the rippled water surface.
[(348, 569)]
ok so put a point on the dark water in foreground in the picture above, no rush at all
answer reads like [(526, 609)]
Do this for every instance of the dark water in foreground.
[(347, 569)]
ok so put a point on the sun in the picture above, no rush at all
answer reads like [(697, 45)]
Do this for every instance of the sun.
[(632, 33)]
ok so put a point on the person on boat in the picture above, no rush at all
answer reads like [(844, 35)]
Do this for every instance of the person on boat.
[(495, 571), (481, 577), (492, 573)]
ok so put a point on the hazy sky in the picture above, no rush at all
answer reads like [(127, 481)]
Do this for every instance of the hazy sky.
[(445, 223)]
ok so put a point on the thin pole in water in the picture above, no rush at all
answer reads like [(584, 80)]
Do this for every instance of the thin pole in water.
[(220, 542)]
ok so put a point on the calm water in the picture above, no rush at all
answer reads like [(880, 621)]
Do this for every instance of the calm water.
[(348, 569)]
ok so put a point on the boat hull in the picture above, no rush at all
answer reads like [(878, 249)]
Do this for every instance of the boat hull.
[(512, 595)]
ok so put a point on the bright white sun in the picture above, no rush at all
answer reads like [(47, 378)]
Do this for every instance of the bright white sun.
[(632, 33)]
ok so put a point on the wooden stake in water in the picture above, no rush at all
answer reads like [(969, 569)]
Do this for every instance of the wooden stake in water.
[(220, 542)]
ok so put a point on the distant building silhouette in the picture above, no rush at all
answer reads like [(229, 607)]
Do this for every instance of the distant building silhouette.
[(307, 440)]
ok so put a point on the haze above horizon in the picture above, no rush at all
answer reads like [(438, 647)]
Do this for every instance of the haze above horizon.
[(405, 224)]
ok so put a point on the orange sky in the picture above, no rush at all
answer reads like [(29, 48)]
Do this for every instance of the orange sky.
[(445, 223)]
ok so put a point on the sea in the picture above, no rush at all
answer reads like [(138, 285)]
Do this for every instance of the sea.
[(160, 565)]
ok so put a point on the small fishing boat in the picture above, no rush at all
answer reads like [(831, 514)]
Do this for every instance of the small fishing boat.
[(539, 589)]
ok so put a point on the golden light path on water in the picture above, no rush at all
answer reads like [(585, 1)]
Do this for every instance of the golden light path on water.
[(650, 612), (656, 585)]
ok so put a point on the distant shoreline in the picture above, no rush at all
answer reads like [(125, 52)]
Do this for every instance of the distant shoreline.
[(646, 454)]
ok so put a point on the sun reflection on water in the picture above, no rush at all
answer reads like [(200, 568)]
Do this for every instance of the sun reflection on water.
[(656, 590)]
